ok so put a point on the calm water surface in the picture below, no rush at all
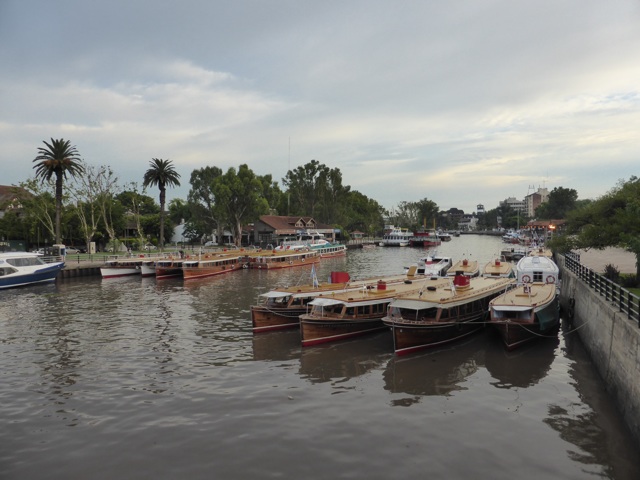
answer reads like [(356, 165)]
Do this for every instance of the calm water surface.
[(138, 378)]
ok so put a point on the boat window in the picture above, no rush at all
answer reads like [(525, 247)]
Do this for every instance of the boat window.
[(537, 276), (362, 310), (24, 261), (7, 271)]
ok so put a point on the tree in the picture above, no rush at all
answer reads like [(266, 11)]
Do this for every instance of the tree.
[(162, 174), (241, 195), (58, 159), (206, 214), (561, 201), (611, 221)]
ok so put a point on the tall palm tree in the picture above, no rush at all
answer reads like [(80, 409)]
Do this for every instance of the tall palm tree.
[(58, 158), (162, 174)]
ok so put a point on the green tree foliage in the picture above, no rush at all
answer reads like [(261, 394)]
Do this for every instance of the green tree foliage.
[(611, 221), (414, 215), (163, 174), (561, 201), (240, 194), (57, 159), (364, 214), (206, 215)]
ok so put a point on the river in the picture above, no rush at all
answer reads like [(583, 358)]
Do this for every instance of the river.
[(137, 378)]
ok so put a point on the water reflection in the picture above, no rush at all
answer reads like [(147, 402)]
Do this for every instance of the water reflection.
[(345, 360), (522, 367), (437, 372), (277, 346)]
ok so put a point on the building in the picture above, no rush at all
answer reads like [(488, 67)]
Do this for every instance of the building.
[(533, 201), (516, 205), (10, 198), (272, 229)]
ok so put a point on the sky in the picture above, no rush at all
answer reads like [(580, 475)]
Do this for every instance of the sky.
[(459, 102)]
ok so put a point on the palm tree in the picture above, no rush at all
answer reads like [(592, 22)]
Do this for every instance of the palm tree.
[(58, 158), (162, 174)]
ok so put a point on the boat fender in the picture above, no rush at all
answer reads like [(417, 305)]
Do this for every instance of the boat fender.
[(303, 259), (408, 282), (245, 265), (551, 279), (526, 278), (290, 262), (431, 288)]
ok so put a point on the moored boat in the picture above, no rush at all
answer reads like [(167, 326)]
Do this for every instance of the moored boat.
[(433, 265), (531, 310), (396, 237), (351, 313), (19, 269), (274, 259), (465, 266), (441, 312), (148, 268), (281, 308), (425, 238), (498, 268), (169, 267), (121, 267), (212, 264)]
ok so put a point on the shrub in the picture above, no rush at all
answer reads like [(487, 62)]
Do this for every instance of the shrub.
[(612, 273)]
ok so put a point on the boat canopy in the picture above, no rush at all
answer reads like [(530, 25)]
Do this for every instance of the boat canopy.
[(274, 294), (325, 302)]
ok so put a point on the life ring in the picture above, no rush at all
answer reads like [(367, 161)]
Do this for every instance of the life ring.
[(526, 279), (551, 279), (303, 259), (290, 262)]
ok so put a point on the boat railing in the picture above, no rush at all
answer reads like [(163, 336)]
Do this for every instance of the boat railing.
[(627, 302)]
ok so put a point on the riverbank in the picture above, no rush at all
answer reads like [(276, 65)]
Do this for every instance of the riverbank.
[(597, 260)]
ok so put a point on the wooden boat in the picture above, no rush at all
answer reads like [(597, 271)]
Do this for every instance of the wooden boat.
[(467, 267), (274, 259), (348, 314), (169, 267), (396, 237), (498, 268), (19, 269), (525, 313), (540, 251), (531, 310), (212, 264), (442, 312), (281, 308)]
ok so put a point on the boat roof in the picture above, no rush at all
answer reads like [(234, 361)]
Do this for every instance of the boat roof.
[(444, 295), (459, 266), (519, 298), (538, 263)]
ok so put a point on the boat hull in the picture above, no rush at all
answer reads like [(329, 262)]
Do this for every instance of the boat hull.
[(267, 319), (409, 338), (42, 275), (112, 272), (191, 273), (315, 332), (516, 332)]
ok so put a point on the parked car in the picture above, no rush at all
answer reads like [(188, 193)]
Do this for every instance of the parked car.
[(149, 246), (72, 250)]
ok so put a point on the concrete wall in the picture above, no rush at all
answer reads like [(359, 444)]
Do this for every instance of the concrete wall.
[(612, 340)]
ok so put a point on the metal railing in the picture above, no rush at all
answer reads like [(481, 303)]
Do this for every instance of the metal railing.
[(619, 296)]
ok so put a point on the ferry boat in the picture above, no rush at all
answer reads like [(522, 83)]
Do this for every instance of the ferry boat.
[(443, 311), (396, 237), (532, 309), (212, 264), (116, 266), (425, 238), (275, 259), (19, 269), (351, 313), (281, 308)]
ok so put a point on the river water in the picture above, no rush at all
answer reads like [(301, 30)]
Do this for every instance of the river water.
[(138, 378)]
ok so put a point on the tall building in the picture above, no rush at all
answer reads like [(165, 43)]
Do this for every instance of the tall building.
[(534, 200)]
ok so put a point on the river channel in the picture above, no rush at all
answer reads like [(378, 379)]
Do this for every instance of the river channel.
[(136, 378)]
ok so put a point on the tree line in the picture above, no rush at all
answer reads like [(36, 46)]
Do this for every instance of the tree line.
[(71, 200)]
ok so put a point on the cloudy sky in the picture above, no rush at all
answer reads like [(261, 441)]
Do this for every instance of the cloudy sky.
[(461, 102)]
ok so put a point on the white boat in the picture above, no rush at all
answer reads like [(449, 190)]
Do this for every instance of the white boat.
[(498, 268), (530, 310), (432, 266), (121, 267), (396, 237), (27, 268)]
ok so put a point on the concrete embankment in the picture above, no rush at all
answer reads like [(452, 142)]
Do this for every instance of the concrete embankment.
[(612, 340)]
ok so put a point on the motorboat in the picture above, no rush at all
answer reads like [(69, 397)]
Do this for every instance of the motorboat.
[(27, 268)]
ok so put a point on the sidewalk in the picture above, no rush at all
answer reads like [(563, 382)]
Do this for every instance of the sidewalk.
[(597, 260)]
